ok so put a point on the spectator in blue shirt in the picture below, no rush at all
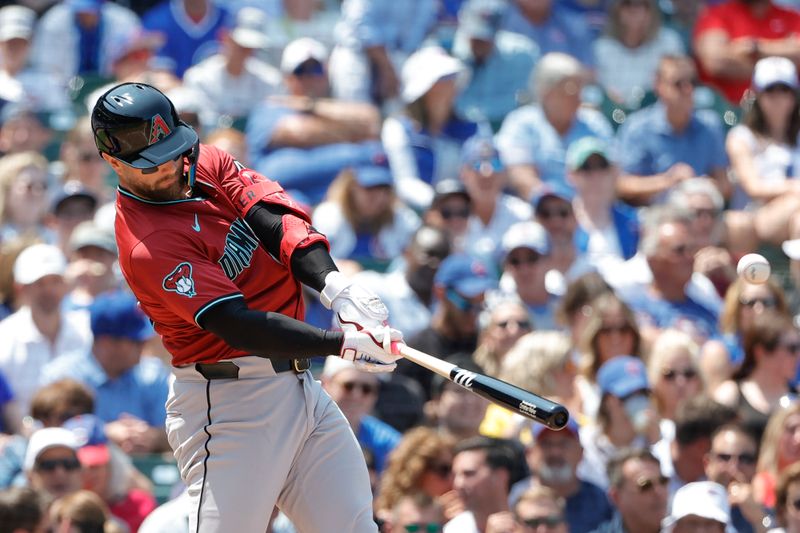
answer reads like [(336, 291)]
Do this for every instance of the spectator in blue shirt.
[(304, 138), (130, 389), (552, 27), (355, 392), (533, 139), (500, 62), (670, 141), (191, 28)]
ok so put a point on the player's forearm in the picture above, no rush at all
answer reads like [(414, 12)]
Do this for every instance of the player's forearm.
[(268, 334)]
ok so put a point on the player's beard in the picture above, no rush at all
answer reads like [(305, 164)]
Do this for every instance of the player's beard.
[(175, 190)]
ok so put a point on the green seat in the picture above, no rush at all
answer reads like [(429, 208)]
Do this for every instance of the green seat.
[(161, 471)]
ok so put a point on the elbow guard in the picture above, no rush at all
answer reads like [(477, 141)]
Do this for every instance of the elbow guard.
[(298, 233)]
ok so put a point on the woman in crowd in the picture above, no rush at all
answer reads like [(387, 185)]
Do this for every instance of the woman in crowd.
[(780, 448), (423, 141), (610, 330), (23, 196), (421, 462), (743, 301), (362, 218), (502, 323), (787, 501), (757, 388), (628, 54)]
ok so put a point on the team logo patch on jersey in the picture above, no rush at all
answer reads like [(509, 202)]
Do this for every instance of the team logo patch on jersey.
[(180, 281), (158, 129)]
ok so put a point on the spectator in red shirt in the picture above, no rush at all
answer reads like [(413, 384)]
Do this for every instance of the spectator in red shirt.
[(731, 36)]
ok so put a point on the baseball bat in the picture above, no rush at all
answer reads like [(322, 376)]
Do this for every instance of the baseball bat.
[(519, 400)]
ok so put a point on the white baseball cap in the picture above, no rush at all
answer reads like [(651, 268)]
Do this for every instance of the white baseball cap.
[(334, 365), (251, 28), (425, 67), (705, 499), (774, 71), (47, 438), (527, 234), (301, 50), (16, 22), (37, 261)]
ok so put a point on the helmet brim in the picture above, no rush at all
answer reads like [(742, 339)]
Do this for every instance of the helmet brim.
[(168, 149)]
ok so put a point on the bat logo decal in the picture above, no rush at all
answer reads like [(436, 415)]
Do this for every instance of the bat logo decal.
[(464, 378), (180, 281)]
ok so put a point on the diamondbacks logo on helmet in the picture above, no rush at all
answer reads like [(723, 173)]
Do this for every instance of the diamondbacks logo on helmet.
[(158, 129), (180, 280)]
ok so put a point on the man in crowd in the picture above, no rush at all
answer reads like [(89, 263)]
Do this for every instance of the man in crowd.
[(51, 462), (699, 506)]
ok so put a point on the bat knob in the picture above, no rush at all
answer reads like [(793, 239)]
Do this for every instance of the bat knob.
[(559, 418)]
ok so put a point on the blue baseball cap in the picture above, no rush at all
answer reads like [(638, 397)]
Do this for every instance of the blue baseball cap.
[(481, 19), (116, 314), (373, 175), (90, 435), (467, 275), (622, 376), (84, 6), (555, 189)]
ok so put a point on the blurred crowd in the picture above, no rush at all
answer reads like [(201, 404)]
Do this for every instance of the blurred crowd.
[(552, 192)]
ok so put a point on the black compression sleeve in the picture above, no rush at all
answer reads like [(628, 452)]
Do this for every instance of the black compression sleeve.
[(268, 334), (309, 265)]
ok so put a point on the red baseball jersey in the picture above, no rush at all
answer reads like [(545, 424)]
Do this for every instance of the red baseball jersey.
[(181, 257)]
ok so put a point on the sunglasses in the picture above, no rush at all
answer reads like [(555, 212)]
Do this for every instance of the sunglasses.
[(619, 328), (153, 170), (521, 324), (528, 259), (791, 347), (778, 88), (548, 521), (367, 389), (447, 214), (684, 250), (441, 469), (672, 375), (563, 212), (430, 527), (464, 305), (751, 302), (309, 68), (644, 484), (685, 83), (744, 458), (592, 167), (88, 157), (50, 465)]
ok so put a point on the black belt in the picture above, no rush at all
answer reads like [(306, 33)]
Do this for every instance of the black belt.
[(229, 370)]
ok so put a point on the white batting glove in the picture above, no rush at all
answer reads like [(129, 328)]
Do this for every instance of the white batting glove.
[(354, 306), (372, 349)]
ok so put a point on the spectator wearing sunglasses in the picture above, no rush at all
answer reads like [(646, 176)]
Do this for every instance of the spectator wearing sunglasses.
[(608, 230), (82, 163), (450, 211), (525, 254), (555, 458), (699, 506), (493, 211), (51, 462), (638, 490), (672, 368), (757, 388), (502, 323), (787, 505), (626, 418), (780, 448), (416, 513), (743, 301), (541, 509), (459, 289), (731, 462), (24, 185), (670, 141), (355, 392), (305, 137)]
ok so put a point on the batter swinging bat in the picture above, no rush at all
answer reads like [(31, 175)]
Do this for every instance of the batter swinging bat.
[(526, 403)]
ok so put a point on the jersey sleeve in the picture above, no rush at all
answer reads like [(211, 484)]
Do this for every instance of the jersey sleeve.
[(175, 274)]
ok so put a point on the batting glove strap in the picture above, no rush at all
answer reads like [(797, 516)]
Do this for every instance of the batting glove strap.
[(371, 349)]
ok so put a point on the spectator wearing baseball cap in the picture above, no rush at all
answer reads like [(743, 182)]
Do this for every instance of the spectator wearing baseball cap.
[(423, 140), (459, 288), (234, 79), (701, 505), (93, 255), (493, 211), (499, 61), (608, 230), (39, 331), (70, 204), (363, 220), (626, 417), (554, 458), (130, 388), (108, 472), (306, 137), (51, 463), (450, 211)]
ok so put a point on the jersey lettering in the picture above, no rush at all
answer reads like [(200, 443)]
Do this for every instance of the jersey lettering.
[(240, 244), (180, 280)]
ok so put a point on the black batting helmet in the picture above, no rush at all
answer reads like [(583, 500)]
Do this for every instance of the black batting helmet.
[(137, 124)]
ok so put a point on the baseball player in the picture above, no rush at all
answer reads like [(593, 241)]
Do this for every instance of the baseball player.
[(215, 254)]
